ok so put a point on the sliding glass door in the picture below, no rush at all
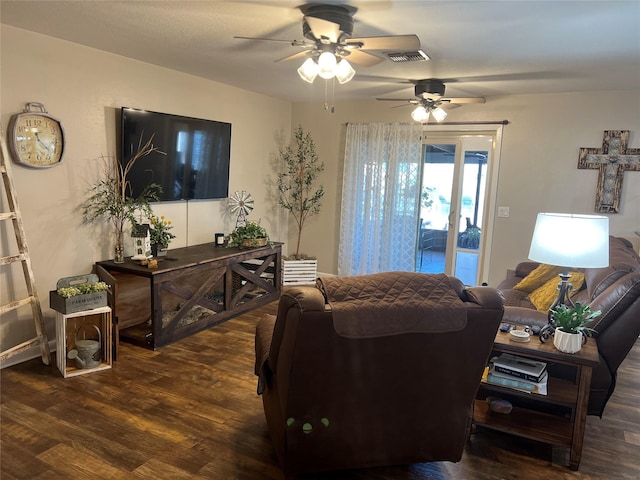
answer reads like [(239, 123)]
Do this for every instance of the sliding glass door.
[(453, 204)]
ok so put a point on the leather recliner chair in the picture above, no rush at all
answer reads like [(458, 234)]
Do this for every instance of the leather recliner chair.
[(374, 370)]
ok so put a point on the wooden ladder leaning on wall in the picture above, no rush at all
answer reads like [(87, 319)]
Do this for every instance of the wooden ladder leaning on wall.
[(23, 257)]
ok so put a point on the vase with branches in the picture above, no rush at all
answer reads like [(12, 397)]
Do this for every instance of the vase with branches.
[(296, 181), (111, 198)]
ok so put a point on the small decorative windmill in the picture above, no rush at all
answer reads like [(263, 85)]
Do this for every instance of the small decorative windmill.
[(241, 204)]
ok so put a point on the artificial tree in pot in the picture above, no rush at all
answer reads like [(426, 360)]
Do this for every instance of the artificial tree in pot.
[(298, 193), (111, 198)]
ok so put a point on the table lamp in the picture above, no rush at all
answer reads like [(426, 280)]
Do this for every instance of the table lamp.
[(567, 240)]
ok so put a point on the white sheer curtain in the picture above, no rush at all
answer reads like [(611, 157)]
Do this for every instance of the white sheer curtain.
[(380, 198)]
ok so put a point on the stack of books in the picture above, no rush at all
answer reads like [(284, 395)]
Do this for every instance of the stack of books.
[(519, 373)]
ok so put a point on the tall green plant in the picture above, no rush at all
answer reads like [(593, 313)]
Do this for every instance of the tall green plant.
[(298, 193), (111, 198)]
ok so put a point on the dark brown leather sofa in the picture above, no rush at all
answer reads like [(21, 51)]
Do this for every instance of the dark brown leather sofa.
[(374, 370), (615, 290)]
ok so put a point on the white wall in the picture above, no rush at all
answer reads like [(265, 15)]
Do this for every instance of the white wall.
[(84, 88), (538, 168)]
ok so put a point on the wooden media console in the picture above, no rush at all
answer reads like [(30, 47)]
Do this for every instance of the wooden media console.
[(192, 289)]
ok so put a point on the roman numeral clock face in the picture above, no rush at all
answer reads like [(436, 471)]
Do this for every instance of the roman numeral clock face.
[(36, 138)]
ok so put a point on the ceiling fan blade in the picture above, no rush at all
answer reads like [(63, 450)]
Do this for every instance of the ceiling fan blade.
[(323, 28), (292, 42), (363, 58), (389, 42), (465, 100), (397, 99), (302, 54), (405, 101), (448, 106), (381, 79)]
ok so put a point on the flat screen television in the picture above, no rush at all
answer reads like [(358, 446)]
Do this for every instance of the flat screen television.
[(196, 160)]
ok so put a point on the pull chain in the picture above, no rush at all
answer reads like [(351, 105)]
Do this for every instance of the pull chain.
[(326, 95)]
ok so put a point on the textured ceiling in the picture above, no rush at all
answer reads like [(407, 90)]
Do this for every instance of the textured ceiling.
[(483, 48)]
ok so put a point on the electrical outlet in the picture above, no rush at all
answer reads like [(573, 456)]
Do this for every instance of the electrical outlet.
[(503, 212)]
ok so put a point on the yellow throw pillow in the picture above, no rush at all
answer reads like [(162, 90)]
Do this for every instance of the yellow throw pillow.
[(538, 277), (544, 296)]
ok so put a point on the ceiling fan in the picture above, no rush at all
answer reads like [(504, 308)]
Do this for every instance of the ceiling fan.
[(328, 44), (430, 99)]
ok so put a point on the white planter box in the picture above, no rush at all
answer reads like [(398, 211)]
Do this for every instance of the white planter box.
[(67, 325), (299, 272)]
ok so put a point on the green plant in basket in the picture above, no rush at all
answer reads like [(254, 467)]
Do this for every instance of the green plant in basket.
[(68, 292), (574, 319), (250, 231)]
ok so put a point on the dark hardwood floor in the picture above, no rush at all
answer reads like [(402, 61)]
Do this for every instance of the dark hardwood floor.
[(190, 411)]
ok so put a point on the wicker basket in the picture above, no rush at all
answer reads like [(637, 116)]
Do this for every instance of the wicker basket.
[(253, 242)]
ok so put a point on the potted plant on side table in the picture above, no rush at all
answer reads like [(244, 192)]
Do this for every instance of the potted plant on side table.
[(571, 326), (299, 168)]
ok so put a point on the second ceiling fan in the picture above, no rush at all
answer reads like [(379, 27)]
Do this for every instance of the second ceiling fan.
[(430, 100)]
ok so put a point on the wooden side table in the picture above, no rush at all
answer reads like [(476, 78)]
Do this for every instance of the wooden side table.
[(66, 327), (567, 394)]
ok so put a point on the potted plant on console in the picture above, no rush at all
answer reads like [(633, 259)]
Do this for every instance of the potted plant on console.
[(571, 326), (251, 235), (111, 197), (299, 168), (160, 235)]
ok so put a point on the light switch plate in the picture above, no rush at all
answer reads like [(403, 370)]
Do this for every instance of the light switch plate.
[(503, 212)]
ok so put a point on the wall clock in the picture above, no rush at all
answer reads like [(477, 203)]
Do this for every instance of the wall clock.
[(36, 138)]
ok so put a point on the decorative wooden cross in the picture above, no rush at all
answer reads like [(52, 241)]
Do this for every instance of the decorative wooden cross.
[(611, 160)]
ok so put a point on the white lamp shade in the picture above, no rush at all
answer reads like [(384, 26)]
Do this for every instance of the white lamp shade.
[(439, 114), (344, 71), (308, 71), (420, 114), (568, 240), (327, 65)]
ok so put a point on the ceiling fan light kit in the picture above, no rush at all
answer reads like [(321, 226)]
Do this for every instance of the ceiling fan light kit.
[(326, 65), (308, 71), (439, 114), (422, 113), (344, 71)]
